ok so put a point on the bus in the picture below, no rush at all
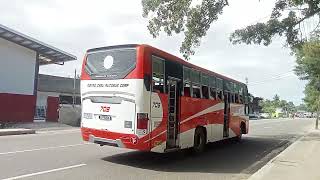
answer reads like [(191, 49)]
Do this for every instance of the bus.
[(139, 97)]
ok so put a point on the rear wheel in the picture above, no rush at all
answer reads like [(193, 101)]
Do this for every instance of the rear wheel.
[(242, 130), (199, 141)]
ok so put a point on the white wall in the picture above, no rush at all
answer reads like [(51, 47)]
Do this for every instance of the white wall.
[(17, 68)]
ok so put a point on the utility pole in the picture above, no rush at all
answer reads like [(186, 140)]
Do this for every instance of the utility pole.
[(318, 105), (318, 114), (247, 81)]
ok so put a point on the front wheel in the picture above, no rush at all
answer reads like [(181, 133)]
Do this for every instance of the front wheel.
[(199, 141)]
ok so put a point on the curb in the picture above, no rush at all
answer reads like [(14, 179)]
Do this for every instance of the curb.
[(265, 169), (9, 132)]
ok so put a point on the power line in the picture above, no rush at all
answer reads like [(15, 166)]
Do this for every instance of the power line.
[(273, 77), (271, 80)]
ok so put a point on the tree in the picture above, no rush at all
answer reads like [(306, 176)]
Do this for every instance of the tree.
[(268, 107), (276, 101), (302, 107), (291, 107), (308, 61), (308, 68), (176, 16), (311, 98)]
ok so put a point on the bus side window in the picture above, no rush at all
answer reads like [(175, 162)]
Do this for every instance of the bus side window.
[(205, 92), (157, 74), (220, 95), (186, 90), (237, 98), (230, 97), (196, 93), (213, 93), (241, 99), (233, 99)]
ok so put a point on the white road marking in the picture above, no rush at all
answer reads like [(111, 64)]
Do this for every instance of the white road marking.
[(45, 172), (46, 148)]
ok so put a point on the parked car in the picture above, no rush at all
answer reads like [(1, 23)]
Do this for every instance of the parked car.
[(264, 115), (253, 116)]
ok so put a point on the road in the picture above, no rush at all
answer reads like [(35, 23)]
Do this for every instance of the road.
[(63, 155)]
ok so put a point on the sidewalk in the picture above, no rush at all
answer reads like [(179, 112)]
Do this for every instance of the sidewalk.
[(32, 128), (299, 161), (43, 126), (7, 132)]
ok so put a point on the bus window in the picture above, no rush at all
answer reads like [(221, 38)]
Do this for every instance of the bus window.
[(205, 92), (111, 64), (213, 93), (237, 98), (240, 99), (157, 74), (229, 97), (220, 95), (232, 98), (186, 90), (196, 93)]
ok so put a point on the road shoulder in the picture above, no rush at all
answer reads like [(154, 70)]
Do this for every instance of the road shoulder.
[(299, 161), (19, 131)]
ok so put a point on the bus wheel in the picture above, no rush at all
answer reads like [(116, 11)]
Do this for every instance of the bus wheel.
[(242, 129), (199, 141)]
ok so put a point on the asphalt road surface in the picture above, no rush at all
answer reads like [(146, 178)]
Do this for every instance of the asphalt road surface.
[(63, 155)]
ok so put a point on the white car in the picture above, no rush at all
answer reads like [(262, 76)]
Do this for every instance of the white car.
[(264, 115)]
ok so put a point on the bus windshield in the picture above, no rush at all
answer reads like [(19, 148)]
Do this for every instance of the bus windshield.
[(111, 64)]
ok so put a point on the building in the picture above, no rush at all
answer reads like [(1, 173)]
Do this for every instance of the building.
[(58, 99), (20, 58)]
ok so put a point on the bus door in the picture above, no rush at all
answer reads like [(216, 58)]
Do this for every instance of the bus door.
[(173, 123), (226, 118)]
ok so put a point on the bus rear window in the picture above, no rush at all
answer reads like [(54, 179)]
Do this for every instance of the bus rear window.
[(111, 64)]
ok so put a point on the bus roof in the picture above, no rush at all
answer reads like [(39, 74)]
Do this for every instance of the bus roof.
[(190, 65), (170, 56)]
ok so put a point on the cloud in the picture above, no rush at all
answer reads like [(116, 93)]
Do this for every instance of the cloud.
[(77, 25)]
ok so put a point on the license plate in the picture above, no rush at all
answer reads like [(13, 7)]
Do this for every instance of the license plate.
[(105, 117)]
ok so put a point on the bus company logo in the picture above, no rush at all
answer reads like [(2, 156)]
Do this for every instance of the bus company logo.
[(134, 140), (105, 109)]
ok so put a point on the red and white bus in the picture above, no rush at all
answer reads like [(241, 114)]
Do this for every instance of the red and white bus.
[(139, 97)]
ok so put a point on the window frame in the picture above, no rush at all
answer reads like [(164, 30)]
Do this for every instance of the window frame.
[(199, 87), (190, 89), (162, 60)]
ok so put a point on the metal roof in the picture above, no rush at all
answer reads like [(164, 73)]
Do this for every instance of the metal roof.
[(47, 53)]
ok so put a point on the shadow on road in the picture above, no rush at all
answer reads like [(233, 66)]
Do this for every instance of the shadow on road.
[(222, 157)]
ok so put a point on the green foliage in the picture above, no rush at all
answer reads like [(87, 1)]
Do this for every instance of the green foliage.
[(276, 100), (176, 16), (302, 107), (312, 96), (283, 21), (172, 16), (308, 60), (270, 106), (308, 68)]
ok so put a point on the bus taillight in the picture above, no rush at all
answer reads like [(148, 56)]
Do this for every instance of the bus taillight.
[(142, 121)]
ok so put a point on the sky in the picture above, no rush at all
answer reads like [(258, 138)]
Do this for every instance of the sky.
[(77, 25)]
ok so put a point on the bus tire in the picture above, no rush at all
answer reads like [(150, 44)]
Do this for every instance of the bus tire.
[(199, 140), (242, 131)]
